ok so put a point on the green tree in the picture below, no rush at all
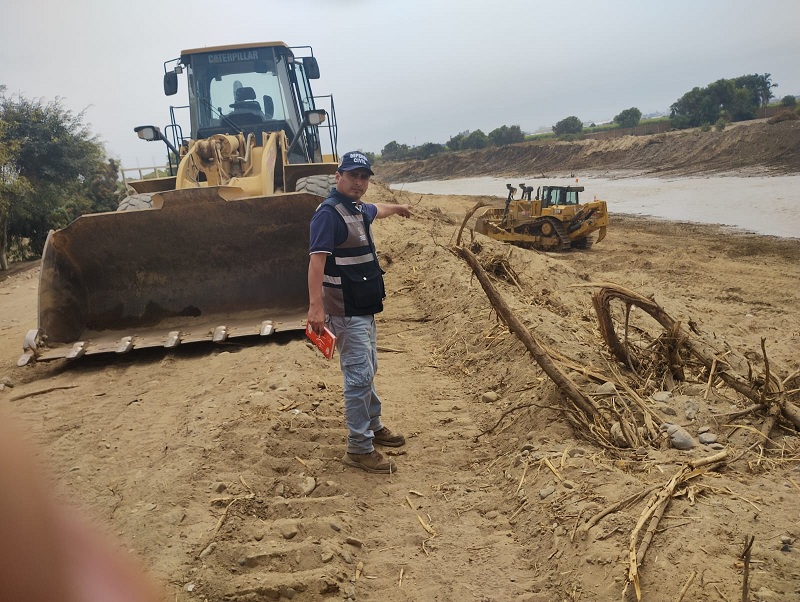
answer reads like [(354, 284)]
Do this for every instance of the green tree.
[(475, 140), (455, 142), (104, 188), (51, 168), (629, 118), (506, 135), (427, 150), (569, 125), (12, 187), (759, 86), (394, 151), (733, 99), (740, 106), (789, 101)]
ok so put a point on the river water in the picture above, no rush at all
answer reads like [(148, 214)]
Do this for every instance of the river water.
[(763, 205)]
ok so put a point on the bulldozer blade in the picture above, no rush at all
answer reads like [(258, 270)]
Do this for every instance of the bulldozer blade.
[(195, 267)]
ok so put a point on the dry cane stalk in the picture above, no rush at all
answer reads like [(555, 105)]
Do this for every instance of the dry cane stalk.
[(655, 508), (748, 544), (686, 587), (631, 499)]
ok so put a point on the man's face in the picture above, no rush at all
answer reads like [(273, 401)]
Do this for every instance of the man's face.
[(353, 183)]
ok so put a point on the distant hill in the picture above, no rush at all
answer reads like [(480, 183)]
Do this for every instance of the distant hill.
[(747, 147)]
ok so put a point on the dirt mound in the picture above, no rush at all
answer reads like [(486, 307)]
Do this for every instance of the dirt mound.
[(221, 466), (786, 115), (758, 148)]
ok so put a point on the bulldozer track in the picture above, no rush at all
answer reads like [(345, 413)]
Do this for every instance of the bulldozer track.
[(583, 243), (561, 232), (551, 232)]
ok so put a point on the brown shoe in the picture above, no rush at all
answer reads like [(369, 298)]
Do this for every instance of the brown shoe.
[(371, 462), (388, 438)]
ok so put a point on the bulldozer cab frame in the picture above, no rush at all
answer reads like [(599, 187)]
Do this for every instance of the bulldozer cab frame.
[(552, 196), (254, 89)]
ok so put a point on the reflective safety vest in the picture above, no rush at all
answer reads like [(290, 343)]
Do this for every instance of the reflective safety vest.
[(352, 284)]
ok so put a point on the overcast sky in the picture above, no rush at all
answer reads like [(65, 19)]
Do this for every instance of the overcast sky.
[(413, 71)]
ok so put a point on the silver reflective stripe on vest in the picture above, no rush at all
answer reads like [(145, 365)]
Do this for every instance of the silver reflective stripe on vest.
[(354, 260), (332, 279)]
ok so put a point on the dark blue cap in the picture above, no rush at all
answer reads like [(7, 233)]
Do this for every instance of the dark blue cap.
[(355, 160)]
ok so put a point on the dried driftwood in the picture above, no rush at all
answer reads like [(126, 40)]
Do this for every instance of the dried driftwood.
[(562, 381), (770, 394), (654, 510), (674, 338), (614, 423)]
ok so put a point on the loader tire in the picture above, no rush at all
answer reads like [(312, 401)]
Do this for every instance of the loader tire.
[(136, 202), (320, 185)]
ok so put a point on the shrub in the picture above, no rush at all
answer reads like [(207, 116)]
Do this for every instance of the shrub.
[(568, 125)]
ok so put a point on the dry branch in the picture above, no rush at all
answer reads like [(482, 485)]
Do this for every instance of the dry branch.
[(631, 499), (708, 357), (41, 392), (776, 404), (748, 545), (686, 586), (654, 510), (514, 324), (469, 214)]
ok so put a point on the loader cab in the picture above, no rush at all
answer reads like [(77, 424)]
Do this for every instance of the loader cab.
[(252, 89)]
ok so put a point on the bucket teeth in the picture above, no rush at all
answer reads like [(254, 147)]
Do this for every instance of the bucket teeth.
[(30, 346), (267, 328), (220, 334), (32, 340), (78, 350), (173, 339), (125, 345), (25, 358)]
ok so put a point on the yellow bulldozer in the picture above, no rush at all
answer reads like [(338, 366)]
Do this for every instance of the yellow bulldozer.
[(554, 220), (218, 249)]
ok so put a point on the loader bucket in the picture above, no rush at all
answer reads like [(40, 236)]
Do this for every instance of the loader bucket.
[(196, 267)]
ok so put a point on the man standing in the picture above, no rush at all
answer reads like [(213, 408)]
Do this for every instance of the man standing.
[(345, 284)]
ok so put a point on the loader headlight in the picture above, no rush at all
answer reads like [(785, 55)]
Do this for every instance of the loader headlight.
[(148, 132), (315, 117)]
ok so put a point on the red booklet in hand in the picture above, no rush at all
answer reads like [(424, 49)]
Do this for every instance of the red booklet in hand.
[(325, 343)]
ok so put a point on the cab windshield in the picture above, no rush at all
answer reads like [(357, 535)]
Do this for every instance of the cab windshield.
[(559, 196), (232, 89)]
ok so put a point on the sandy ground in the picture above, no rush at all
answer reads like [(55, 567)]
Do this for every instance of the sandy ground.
[(219, 466)]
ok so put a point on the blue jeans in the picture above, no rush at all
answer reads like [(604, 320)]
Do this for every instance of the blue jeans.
[(357, 340)]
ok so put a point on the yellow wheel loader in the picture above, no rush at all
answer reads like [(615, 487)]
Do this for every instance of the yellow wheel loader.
[(554, 220), (219, 249)]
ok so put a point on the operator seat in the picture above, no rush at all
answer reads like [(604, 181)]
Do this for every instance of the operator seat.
[(244, 99), (246, 110)]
